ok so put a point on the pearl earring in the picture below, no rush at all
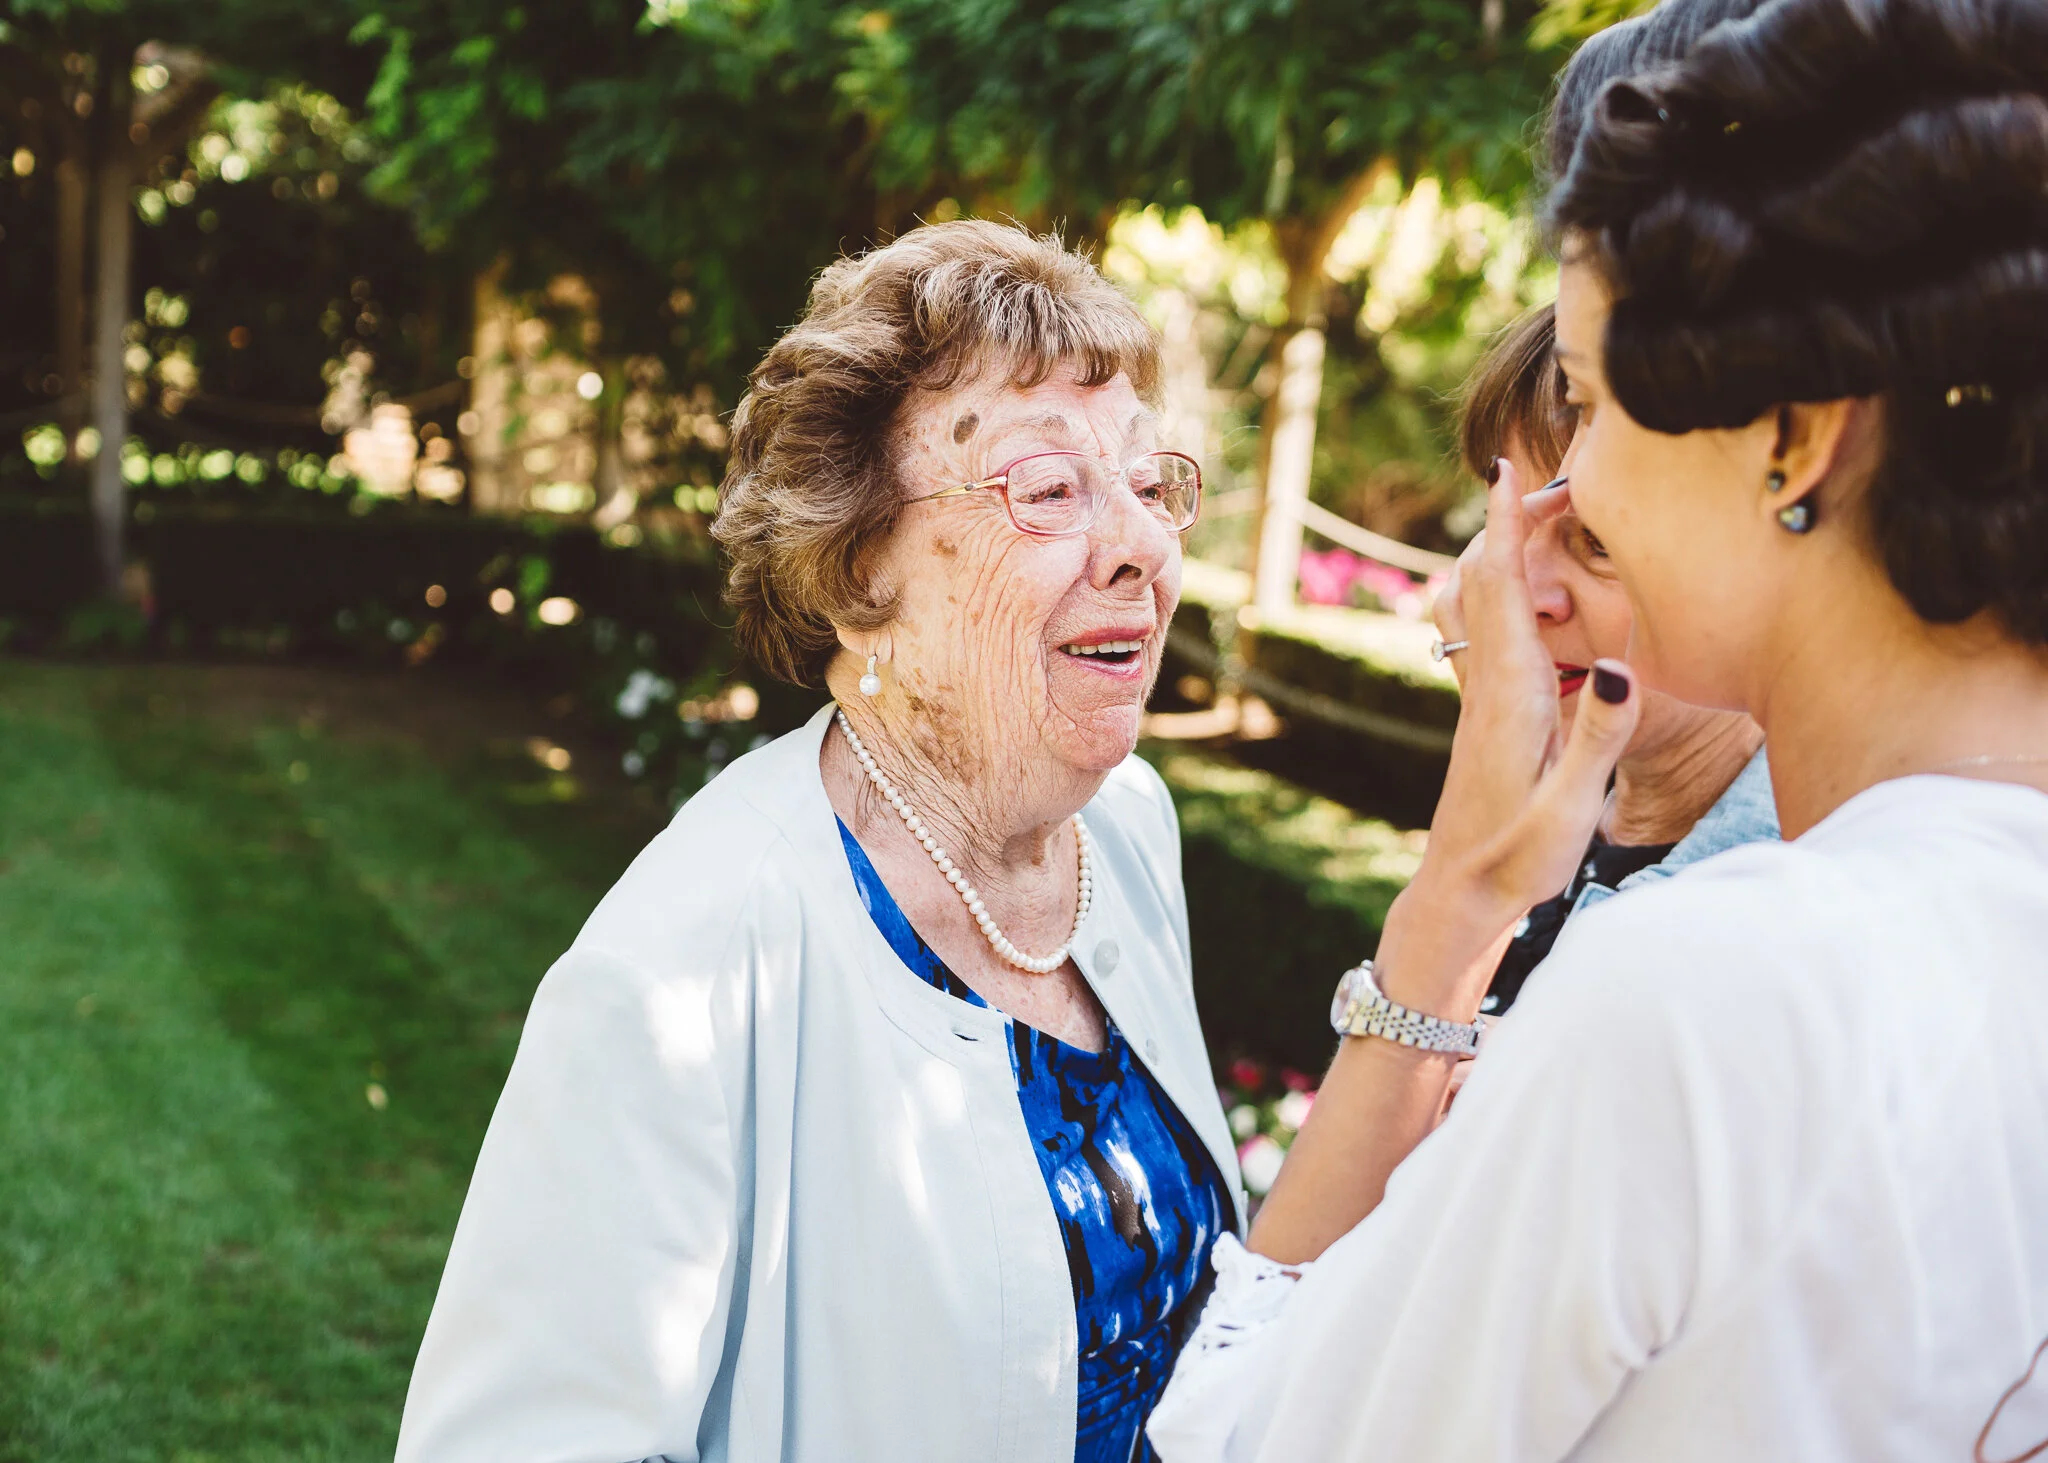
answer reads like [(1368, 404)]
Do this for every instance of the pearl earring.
[(1796, 518), (871, 684)]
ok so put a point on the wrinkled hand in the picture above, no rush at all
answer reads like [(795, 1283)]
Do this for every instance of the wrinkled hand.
[(1520, 801)]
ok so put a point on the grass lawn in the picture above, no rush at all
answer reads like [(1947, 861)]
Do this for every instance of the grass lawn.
[(267, 936), (266, 940)]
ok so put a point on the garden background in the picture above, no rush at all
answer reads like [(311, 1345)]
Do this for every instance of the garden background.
[(364, 380)]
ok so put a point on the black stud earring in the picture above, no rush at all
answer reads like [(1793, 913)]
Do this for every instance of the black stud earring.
[(1775, 480), (1796, 518)]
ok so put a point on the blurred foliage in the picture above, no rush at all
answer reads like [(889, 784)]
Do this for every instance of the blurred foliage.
[(268, 266), (252, 257), (692, 170), (1417, 282), (1571, 21), (1283, 889), (323, 240), (624, 635), (1275, 119), (1245, 108)]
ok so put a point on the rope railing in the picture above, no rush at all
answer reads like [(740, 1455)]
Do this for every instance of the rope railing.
[(1301, 702), (1346, 534)]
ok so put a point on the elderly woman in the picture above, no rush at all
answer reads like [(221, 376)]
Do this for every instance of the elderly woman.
[(869, 1116), (1757, 1169), (1693, 780)]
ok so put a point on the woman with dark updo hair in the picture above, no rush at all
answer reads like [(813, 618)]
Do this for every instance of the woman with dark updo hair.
[(1759, 1170)]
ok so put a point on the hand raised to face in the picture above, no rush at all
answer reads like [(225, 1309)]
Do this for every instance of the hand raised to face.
[(1521, 799), (1552, 500)]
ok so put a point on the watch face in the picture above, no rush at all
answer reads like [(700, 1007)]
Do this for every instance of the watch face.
[(1340, 1006)]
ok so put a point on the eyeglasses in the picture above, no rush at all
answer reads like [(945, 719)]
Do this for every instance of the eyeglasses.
[(1055, 494)]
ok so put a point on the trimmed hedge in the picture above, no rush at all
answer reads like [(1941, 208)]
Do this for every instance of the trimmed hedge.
[(1356, 692), (1286, 891), (46, 559), (214, 568)]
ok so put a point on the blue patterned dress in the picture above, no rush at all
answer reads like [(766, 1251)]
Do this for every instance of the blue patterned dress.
[(1138, 1198)]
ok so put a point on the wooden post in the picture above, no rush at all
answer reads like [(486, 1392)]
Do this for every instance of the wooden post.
[(113, 184), (73, 199), (616, 499), (493, 486), (1290, 455), (1290, 445)]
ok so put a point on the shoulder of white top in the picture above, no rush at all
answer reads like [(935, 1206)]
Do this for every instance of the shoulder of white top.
[(1136, 796)]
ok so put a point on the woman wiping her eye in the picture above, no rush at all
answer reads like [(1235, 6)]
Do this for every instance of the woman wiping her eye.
[(1693, 780)]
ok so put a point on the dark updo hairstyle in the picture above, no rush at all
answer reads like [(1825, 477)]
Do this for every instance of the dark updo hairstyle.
[(1847, 198), (1644, 42)]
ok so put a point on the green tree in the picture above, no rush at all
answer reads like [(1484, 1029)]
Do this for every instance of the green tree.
[(1571, 21), (115, 88), (1283, 111), (688, 162), (111, 96)]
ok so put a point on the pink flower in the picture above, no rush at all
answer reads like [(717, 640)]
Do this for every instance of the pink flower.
[(1327, 575), (1248, 1074), (1295, 1081), (1392, 587), (1340, 577)]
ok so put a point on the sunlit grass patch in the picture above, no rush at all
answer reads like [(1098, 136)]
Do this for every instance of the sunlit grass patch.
[(259, 985)]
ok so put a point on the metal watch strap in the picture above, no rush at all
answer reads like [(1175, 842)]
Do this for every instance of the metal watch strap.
[(1363, 1009)]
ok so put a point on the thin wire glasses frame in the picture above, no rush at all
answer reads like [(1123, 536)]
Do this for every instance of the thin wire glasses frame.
[(1181, 499)]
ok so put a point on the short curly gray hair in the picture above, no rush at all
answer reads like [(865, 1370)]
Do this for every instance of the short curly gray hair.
[(811, 491)]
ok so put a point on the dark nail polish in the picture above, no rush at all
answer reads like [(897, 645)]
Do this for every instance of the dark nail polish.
[(1493, 471), (1609, 686)]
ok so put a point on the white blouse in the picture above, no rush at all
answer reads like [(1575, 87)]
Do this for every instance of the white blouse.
[(1757, 1170)]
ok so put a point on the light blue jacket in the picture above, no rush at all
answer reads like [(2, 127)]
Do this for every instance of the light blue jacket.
[(1746, 813), (755, 1192)]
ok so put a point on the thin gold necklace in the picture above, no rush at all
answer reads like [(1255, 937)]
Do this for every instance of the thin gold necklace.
[(1988, 760)]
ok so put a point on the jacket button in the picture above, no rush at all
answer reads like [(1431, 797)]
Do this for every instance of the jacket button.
[(1106, 957)]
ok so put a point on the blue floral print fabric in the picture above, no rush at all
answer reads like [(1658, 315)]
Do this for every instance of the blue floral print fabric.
[(1138, 1199)]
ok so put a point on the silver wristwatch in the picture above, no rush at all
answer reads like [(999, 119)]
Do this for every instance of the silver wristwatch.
[(1361, 1008)]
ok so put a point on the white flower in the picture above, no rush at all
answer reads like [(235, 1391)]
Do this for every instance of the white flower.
[(642, 689), (1244, 1121), (1260, 1160), (1292, 1110)]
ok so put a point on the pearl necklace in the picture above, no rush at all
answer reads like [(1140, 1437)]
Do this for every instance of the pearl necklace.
[(1036, 964)]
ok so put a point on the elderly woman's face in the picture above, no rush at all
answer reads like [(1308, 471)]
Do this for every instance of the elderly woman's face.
[(1011, 645), (1583, 615), (1581, 609)]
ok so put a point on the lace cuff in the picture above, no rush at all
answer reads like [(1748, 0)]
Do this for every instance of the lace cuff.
[(1196, 1420)]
